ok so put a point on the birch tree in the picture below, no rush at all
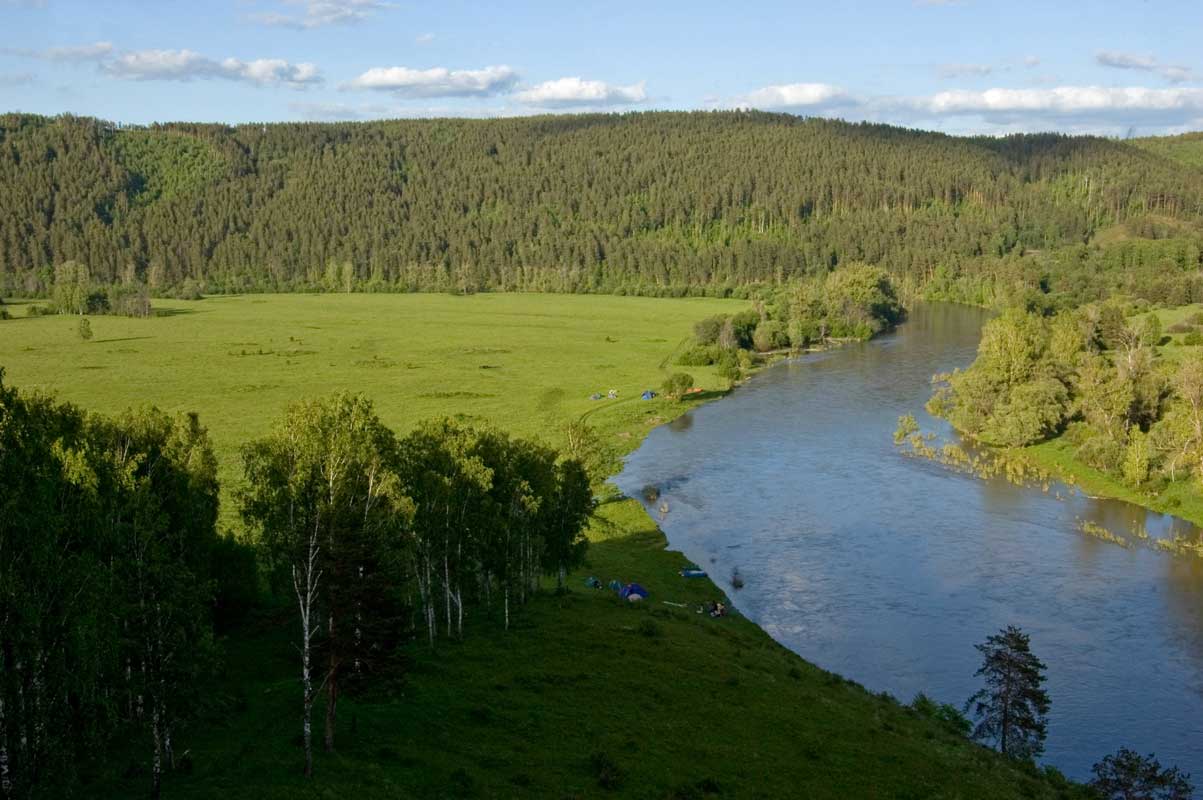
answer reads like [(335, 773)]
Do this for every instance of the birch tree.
[(570, 509), (324, 493), (106, 529)]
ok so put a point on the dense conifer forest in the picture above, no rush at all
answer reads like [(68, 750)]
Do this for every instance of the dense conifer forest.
[(649, 203)]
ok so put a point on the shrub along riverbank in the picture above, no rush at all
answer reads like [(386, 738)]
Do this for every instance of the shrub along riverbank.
[(1103, 397), (583, 694)]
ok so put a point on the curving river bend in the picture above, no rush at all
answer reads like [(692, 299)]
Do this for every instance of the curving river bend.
[(888, 569)]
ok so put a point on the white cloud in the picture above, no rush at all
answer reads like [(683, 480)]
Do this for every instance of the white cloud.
[(1031, 61), (320, 13), (1109, 58), (1173, 73), (186, 65), (437, 82), (964, 70), (97, 51), (568, 92), (424, 38), (796, 96), (1070, 101), (404, 110), (1095, 109), (85, 52)]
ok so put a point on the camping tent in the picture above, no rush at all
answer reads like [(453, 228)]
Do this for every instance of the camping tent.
[(648, 395), (633, 590)]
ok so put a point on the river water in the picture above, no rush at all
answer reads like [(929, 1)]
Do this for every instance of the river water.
[(888, 569)]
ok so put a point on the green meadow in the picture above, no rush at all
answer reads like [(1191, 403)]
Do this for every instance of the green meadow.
[(586, 695), (526, 362)]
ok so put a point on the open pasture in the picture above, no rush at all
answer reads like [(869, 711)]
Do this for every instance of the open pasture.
[(526, 362)]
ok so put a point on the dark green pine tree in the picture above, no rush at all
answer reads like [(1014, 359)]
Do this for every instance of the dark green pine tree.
[(1011, 709), (1127, 775)]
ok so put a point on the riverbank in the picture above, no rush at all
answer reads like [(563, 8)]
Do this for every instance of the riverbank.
[(1179, 499), (586, 695), (851, 553)]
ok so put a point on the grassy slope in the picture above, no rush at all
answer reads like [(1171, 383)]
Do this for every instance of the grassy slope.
[(683, 705), (1182, 498)]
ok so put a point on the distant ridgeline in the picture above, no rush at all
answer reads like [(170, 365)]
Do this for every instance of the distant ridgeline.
[(651, 203)]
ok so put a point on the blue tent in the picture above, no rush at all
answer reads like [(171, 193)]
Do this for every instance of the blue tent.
[(648, 395), (630, 589)]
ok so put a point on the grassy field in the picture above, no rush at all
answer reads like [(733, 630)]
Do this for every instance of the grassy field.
[(586, 696), (525, 362)]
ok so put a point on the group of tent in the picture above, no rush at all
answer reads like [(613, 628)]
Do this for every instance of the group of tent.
[(648, 394), (631, 592)]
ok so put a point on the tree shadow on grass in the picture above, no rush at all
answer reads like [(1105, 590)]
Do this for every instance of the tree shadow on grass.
[(174, 312), (122, 339)]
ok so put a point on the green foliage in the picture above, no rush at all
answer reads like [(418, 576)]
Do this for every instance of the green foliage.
[(72, 288), (945, 714), (553, 345), (770, 335), (1161, 271), (462, 205), (557, 673), (163, 162), (543, 671), (84, 329), (706, 331), (1100, 382), (742, 328), (1012, 709), (855, 302), (1014, 393), (584, 444), (107, 526), (1138, 459), (128, 299), (908, 426), (701, 356), (1127, 775), (729, 368), (677, 384), (1186, 148)]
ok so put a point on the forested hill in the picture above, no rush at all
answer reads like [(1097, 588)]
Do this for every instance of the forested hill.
[(651, 202)]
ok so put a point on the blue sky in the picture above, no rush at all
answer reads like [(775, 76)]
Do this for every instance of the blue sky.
[(963, 66)]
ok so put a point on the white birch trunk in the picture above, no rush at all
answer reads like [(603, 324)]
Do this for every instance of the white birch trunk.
[(305, 583)]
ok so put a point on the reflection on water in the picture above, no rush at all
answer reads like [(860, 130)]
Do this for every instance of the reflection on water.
[(889, 569)]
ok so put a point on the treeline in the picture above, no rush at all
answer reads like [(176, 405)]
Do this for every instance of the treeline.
[(1148, 261), (856, 302), (1095, 378), (114, 580), (657, 203)]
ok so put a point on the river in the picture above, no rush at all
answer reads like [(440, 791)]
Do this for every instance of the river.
[(889, 569)]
